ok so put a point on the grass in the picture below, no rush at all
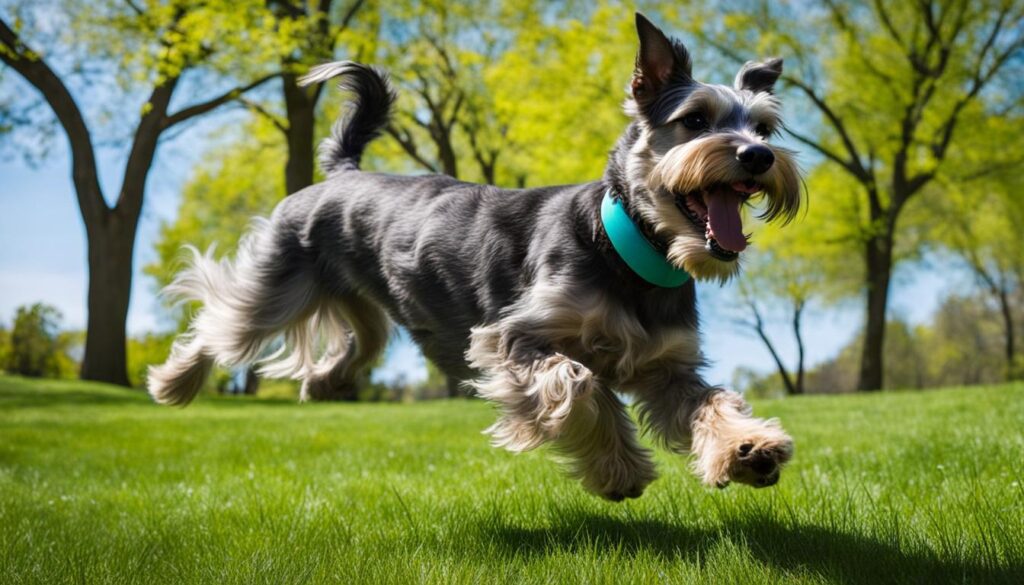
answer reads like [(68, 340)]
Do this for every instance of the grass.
[(99, 485)]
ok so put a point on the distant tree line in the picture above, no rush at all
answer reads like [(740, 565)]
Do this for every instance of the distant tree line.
[(961, 345)]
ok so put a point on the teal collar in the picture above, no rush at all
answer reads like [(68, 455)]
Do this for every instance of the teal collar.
[(634, 249)]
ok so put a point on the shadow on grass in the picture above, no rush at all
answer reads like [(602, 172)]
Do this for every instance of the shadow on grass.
[(837, 556)]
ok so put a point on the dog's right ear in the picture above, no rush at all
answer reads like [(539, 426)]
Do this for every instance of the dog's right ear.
[(759, 76), (658, 61)]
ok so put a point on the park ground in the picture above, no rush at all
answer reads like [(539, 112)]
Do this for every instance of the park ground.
[(99, 485)]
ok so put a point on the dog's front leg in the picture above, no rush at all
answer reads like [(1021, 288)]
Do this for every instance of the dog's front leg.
[(717, 426), (545, 396)]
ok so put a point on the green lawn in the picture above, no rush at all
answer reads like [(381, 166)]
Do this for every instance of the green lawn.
[(99, 485)]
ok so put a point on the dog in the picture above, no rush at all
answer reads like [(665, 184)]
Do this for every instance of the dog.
[(550, 302)]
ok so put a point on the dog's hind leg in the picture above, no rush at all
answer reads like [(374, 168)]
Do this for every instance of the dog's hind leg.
[(361, 329), (246, 304), (549, 397)]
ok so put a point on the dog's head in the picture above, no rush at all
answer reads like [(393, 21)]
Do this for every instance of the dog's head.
[(702, 152)]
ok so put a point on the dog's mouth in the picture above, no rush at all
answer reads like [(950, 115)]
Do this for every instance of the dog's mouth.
[(715, 211)]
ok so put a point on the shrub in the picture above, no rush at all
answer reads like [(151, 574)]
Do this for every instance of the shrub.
[(36, 347)]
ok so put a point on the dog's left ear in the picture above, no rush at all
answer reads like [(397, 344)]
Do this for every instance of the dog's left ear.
[(658, 60), (759, 76)]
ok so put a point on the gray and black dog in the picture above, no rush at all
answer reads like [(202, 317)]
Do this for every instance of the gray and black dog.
[(520, 293)]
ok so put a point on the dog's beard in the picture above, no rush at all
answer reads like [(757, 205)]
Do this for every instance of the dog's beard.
[(697, 192)]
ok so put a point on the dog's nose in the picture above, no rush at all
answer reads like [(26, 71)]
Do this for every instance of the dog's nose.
[(754, 158)]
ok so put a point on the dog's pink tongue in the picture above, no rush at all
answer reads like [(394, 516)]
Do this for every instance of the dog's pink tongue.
[(724, 219)]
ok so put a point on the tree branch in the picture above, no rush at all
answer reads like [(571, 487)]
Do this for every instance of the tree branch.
[(843, 24), (827, 153), (265, 113), (405, 140), (487, 159), (887, 22), (346, 19), (213, 103), (287, 8), (135, 8), (34, 69), (140, 157), (944, 135), (855, 164), (758, 327), (989, 170)]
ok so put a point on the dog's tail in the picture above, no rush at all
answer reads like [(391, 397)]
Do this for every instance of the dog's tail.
[(364, 119)]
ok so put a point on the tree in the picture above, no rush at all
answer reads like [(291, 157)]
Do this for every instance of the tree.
[(437, 53), (893, 84), (36, 345), (301, 35), (304, 34), (978, 216), (560, 88), (163, 42), (794, 267), (962, 344), (798, 295), (499, 93)]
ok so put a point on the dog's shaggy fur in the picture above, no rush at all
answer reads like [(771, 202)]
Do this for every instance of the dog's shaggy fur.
[(518, 293)]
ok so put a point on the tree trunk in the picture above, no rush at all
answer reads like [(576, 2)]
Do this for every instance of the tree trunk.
[(798, 310), (110, 281), (453, 387), (1009, 333), (879, 271), (301, 110), (488, 172), (252, 382), (446, 152)]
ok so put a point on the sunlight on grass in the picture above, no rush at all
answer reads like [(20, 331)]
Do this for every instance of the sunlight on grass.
[(97, 484)]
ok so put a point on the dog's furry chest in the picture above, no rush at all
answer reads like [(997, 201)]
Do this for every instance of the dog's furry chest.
[(616, 344)]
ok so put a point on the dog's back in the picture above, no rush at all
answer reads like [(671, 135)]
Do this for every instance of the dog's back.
[(341, 259), (438, 254)]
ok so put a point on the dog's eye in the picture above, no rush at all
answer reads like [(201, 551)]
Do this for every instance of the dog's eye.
[(763, 130), (695, 121)]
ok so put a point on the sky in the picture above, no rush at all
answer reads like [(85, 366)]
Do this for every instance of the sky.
[(43, 258)]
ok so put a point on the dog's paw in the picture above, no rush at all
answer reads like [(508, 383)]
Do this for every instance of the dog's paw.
[(757, 460), (632, 492), (617, 477)]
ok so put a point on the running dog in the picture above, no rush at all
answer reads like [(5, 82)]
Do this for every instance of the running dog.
[(546, 301)]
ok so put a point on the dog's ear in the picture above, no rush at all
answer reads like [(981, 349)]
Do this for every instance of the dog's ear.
[(658, 61), (759, 76)]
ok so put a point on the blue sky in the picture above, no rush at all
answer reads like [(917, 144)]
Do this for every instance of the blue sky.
[(42, 258)]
